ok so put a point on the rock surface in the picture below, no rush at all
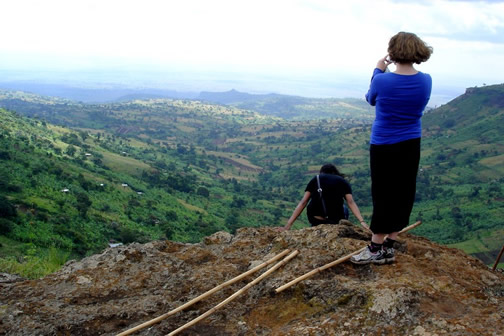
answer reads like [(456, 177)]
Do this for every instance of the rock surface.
[(430, 290)]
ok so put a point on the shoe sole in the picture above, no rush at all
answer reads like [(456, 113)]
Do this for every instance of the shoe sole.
[(379, 262), (365, 262)]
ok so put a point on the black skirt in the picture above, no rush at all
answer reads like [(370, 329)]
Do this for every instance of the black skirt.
[(393, 184)]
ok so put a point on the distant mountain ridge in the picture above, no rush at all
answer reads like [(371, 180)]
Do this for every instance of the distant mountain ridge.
[(292, 107), (272, 104), (233, 96), (94, 95)]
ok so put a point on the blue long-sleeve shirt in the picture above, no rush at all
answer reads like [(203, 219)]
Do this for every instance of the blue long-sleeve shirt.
[(400, 101)]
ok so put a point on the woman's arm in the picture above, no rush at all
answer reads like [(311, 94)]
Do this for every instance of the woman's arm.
[(355, 210), (299, 209), (381, 67)]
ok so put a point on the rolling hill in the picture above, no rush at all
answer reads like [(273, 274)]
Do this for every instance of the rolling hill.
[(193, 168), (77, 190)]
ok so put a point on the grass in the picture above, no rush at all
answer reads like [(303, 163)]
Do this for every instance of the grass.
[(499, 266), (493, 161), (470, 246), (35, 264), (191, 207), (234, 158), (124, 164), (9, 247)]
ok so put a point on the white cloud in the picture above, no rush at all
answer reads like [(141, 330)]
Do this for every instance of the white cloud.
[(310, 37)]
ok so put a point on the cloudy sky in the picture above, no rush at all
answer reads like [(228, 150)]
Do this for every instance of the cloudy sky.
[(326, 44)]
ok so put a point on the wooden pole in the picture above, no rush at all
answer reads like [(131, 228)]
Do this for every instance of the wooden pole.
[(411, 227), (238, 293), (204, 295), (317, 270), (334, 263), (498, 259)]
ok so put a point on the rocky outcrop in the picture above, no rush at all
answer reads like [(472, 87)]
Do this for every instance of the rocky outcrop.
[(430, 290), (6, 278)]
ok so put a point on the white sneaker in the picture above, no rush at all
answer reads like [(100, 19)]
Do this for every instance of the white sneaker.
[(367, 257)]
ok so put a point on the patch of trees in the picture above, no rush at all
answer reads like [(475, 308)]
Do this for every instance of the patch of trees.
[(182, 182)]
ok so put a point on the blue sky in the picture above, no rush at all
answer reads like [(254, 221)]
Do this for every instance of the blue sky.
[(305, 47)]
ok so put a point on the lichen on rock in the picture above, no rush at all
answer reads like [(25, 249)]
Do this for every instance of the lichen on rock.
[(430, 290)]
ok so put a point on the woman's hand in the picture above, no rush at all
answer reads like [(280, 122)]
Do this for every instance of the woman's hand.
[(365, 226), (383, 63)]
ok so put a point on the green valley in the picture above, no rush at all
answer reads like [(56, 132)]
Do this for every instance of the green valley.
[(74, 176)]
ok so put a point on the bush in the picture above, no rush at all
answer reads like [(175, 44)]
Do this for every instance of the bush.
[(202, 191), (7, 209), (4, 155), (14, 188), (5, 226), (129, 235), (171, 216), (83, 204)]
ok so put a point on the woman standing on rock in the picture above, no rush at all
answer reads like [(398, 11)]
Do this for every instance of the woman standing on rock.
[(326, 193), (400, 98)]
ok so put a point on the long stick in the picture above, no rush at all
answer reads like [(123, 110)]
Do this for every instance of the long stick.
[(317, 270), (232, 297), (411, 227), (334, 263), (204, 295), (498, 259)]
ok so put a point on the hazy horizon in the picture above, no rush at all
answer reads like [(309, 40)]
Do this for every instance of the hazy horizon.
[(313, 86), (311, 48)]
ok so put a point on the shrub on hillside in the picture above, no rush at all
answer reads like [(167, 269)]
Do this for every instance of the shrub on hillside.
[(5, 226), (7, 209)]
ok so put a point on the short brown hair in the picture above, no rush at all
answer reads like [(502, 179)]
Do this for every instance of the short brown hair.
[(408, 48)]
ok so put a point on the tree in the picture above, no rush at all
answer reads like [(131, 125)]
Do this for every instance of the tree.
[(232, 221), (202, 191), (71, 150), (83, 135), (4, 155), (171, 216), (5, 226), (83, 204), (237, 202), (130, 235), (6, 208)]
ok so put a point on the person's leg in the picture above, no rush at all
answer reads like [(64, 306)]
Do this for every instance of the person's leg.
[(373, 253), (378, 238), (386, 165), (388, 247), (378, 163), (393, 184), (380, 250), (409, 152), (383, 185), (393, 235)]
